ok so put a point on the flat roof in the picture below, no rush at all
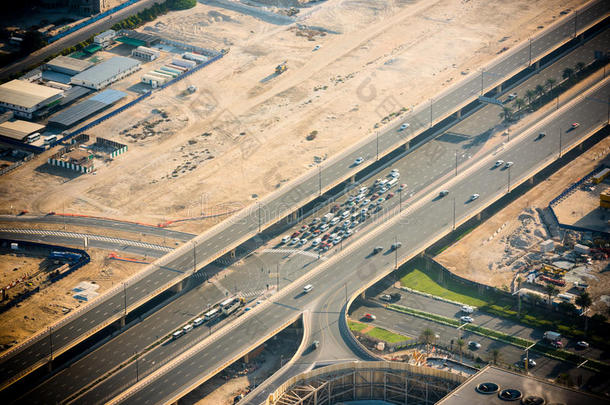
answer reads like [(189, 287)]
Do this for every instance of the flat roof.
[(25, 94), (66, 62), (19, 129), (73, 115), (466, 393), (131, 41), (106, 70)]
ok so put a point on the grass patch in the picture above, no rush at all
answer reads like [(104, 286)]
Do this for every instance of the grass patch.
[(356, 326), (386, 335), (420, 281)]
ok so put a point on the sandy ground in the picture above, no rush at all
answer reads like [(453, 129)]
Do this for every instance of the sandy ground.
[(240, 135), (49, 305), (497, 249), (582, 208)]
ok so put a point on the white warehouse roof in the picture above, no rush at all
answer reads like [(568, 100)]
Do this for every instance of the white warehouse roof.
[(25, 94), (106, 70)]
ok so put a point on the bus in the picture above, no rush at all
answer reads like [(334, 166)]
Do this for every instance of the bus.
[(211, 314), (33, 137)]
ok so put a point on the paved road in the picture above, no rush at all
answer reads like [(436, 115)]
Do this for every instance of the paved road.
[(232, 233), (261, 266), (357, 267), (77, 239), (74, 38), (100, 223)]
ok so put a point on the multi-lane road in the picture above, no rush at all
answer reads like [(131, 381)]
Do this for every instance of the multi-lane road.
[(355, 267)]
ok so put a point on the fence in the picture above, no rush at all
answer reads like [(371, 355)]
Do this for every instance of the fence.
[(91, 21), (16, 164)]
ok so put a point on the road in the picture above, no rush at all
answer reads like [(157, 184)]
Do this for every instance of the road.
[(419, 171), (99, 223), (357, 267), (74, 38)]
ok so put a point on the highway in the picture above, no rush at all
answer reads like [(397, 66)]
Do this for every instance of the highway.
[(419, 171), (355, 267), (244, 225), (74, 38), (99, 223)]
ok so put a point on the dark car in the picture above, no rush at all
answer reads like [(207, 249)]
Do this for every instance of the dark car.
[(396, 296), (377, 250)]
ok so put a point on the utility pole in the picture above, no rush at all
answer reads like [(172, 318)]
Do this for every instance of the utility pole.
[(454, 213), (395, 252), (51, 341), (530, 64)]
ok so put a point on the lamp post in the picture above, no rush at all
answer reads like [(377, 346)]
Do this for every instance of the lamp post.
[(508, 184)]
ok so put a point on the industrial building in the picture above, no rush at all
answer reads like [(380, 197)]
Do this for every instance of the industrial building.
[(67, 65), (106, 72), (147, 54), (81, 111), (25, 98), (19, 130), (105, 38)]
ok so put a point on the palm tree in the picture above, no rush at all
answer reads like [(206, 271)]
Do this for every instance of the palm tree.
[(551, 291), (539, 90), (584, 301), (506, 114), (568, 73), (495, 356), (579, 67), (519, 103), (550, 82), (530, 94), (427, 336), (460, 346)]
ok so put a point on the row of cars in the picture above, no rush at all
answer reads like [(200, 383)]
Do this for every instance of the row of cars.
[(339, 223)]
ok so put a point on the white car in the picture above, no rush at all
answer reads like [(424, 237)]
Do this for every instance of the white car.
[(474, 197), (334, 221), (466, 319), (295, 241), (508, 164), (316, 241), (403, 127), (302, 242), (363, 190), (315, 48), (511, 96), (395, 174), (474, 345), (467, 309), (358, 160), (499, 163), (345, 214), (286, 239), (443, 193), (365, 202), (582, 344), (354, 224)]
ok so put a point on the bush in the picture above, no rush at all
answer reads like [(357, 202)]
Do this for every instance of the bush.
[(181, 4)]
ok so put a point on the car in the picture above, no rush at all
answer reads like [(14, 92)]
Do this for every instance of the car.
[(385, 297), (246, 309), (508, 164), (395, 175), (466, 319), (574, 125), (396, 296), (314, 221), (294, 241), (304, 228), (390, 195), (370, 317), (374, 196), (348, 233), (582, 344), (365, 202), (511, 96), (315, 48), (474, 345), (443, 193), (316, 241), (395, 246), (499, 163), (315, 344), (530, 362), (474, 197), (402, 187), (404, 126), (358, 161), (307, 288), (294, 235), (286, 239), (557, 344), (345, 214), (302, 242), (334, 221), (541, 135), (363, 190), (197, 321), (467, 309), (354, 224), (377, 250), (380, 200), (307, 234)]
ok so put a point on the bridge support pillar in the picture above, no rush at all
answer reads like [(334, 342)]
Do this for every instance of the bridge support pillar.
[(531, 180), (499, 88), (537, 65), (232, 253), (122, 322), (352, 179), (362, 295), (479, 216), (50, 366), (406, 146), (458, 114), (177, 287)]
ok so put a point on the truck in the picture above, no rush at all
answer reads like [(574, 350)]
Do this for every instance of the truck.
[(552, 337), (328, 217), (230, 305)]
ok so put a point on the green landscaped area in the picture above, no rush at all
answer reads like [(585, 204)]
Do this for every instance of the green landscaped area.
[(420, 281), (377, 332)]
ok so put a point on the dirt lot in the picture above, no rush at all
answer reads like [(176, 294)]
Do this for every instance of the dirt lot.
[(496, 250), (243, 132), (49, 305)]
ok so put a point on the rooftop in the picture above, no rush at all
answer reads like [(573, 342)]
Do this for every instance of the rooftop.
[(66, 62), (107, 69), (73, 115), (527, 386), (19, 129), (25, 94)]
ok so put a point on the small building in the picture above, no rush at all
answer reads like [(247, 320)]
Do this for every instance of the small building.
[(154, 81), (144, 53), (67, 65), (194, 57), (582, 249), (105, 38), (19, 130), (26, 98), (106, 72), (547, 246), (189, 64), (77, 160)]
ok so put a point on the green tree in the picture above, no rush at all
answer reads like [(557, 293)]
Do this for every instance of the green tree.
[(584, 301), (579, 67), (539, 90), (460, 346), (519, 104), (530, 94), (427, 337), (506, 114), (568, 73), (550, 82), (550, 291), (495, 355)]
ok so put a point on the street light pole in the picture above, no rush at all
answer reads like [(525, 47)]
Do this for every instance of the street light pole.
[(508, 185), (277, 275), (454, 213), (395, 252), (399, 200), (51, 341), (530, 52)]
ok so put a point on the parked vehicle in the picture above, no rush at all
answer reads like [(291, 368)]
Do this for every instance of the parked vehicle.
[(582, 344), (466, 319), (286, 239), (212, 314), (370, 317), (443, 193), (395, 246), (499, 163), (474, 345), (474, 197), (177, 334), (467, 309), (385, 297), (307, 288), (403, 127), (377, 250), (197, 321), (187, 328), (358, 161)]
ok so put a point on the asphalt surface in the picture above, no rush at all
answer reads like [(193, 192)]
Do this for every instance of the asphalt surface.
[(74, 38), (99, 223), (357, 267), (419, 171)]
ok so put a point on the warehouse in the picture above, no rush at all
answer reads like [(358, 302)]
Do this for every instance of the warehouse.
[(67, 65), (19, 130), (106, 72), (147, 54), (81, 111), (25, 98)]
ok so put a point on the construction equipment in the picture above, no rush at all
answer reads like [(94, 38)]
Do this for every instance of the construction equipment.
[(553, 271), (281, 68)]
